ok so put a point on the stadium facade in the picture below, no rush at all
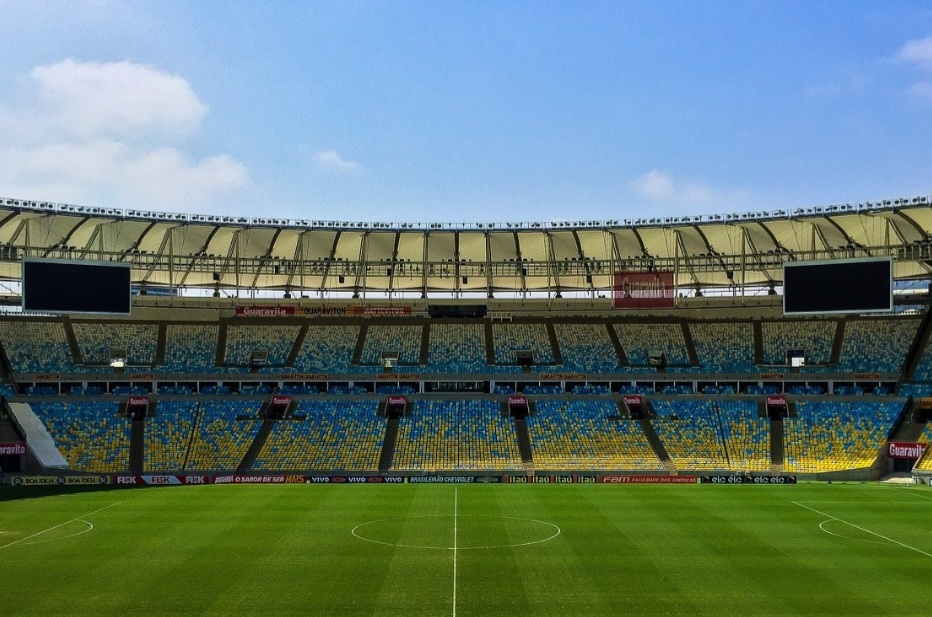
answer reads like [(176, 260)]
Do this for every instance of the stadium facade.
[(648, 348)]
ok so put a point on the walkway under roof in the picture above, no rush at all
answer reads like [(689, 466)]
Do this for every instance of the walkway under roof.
[(745, 250)]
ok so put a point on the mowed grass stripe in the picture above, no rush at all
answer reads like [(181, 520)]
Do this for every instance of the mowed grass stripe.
[(696, 550)]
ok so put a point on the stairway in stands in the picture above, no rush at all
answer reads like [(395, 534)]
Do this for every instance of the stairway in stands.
[(137, 446), (258, 443), (388, 445), (8, 432), (776, 446), (658, 447), (524, 444)]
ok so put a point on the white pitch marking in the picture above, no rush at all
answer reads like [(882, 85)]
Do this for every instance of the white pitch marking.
[(839, 535), (87, 527), (39, 533), (873, 533), (455, 534), (355, 532)]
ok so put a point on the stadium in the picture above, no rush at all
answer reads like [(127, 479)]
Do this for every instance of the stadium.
[(749, 379)]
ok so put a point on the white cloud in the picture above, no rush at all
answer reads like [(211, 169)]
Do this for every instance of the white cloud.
[(331, 159), (654, 184), (662, 188), (161, 178), (87, 135), (917, 51), (921, 90), (92, 98)]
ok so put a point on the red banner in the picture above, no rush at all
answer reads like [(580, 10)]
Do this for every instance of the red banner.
[(644, 289), (776, 401), (12, 449), (292, 311), (241, 479), (648, 479), (281, 401), (265, 311), (905, 449), (633, 399), (138, 401), (517, 401), (379, 311), (397, 400)]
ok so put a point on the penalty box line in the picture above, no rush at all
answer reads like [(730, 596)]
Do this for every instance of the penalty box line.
[(873, 533), (77, 518)]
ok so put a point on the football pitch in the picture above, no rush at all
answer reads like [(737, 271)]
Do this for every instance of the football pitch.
[(470, 550)]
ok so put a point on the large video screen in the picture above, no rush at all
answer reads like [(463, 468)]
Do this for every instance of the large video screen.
[(63, 286), (844, 286)]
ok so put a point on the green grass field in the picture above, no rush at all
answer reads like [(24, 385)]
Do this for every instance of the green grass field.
[(480, 550)]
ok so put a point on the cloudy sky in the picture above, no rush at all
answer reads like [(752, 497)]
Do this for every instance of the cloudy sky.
[(481, 111)]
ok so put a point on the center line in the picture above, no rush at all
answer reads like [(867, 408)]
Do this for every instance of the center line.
[(455, 533)]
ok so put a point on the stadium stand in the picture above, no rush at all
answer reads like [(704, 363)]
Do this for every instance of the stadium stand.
[(509, 338), (834, 435), (877, 344), (222, 433), (456, 436), (582, 435), (638, 339), (313, 329), (36, 346), (168, 435), (90, 435), (328, 348), (96, 342), (726, 347), (457, 348), (325, 435), (403, 340), (243, 340), (814, 337), (586, 347), (191, 347), (925, 463)]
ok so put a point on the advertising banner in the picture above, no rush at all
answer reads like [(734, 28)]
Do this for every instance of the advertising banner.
[(356, 479), (60, 480), (517, 401), (647, 480), (397, 400), (725, 479), (12, 449), (35, 481), (323, 311), (905, 449), (270, 479), (633, 400), (638, 290), (563, 376), (454, 479), (265, 311), (398, 377)]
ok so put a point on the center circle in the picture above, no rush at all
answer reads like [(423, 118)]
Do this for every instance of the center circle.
[(465, 532)]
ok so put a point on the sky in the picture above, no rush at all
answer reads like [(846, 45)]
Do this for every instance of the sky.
[(478, 111)]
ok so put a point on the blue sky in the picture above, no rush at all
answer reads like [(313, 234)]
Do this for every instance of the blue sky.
[(464, 111)]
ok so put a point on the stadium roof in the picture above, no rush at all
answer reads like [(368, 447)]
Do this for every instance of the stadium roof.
[(193, 251)]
